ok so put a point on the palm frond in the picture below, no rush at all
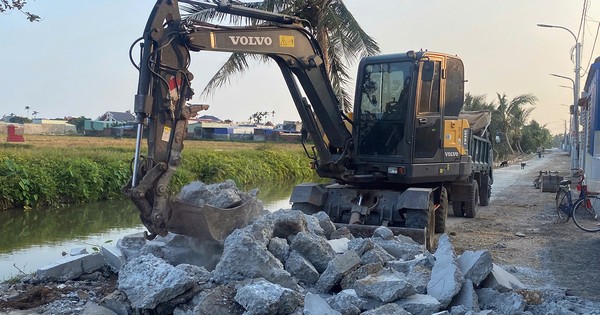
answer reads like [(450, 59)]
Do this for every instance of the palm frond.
[(235, 65)]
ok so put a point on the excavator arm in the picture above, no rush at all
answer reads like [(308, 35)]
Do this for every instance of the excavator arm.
[(164, 88)]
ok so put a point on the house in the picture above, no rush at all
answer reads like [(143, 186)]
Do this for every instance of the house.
[(117, 118), (589, 120)]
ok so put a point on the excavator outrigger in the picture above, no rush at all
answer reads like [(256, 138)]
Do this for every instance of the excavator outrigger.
[(400, 157)]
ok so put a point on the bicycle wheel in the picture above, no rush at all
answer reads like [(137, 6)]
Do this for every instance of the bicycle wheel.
[(585, 215), (562, 206)]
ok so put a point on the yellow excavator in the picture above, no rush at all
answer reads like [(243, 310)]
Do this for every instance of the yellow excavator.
[(397, 160)]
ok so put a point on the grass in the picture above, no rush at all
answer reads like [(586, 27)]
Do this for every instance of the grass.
[(58, 170)]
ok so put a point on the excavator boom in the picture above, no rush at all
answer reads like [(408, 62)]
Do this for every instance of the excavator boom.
[(165, 87)]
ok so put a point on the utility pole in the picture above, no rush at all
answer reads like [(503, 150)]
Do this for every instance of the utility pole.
[(575, 161)]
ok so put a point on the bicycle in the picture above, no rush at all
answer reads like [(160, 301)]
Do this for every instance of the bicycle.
[(583, 209)]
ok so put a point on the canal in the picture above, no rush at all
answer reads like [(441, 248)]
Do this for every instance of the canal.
[(31, 239)]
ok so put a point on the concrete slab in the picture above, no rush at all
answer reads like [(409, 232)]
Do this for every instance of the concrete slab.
[(71, 267)]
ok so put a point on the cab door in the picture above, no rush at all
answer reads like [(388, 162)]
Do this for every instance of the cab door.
[(428, 119)]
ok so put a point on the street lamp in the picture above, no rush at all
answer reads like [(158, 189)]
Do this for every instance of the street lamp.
[(574, 153)]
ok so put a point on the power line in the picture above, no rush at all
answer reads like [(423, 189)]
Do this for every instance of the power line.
[(592, 53)]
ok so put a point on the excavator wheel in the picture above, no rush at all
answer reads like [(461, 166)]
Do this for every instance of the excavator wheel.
[(485, 191), (458, 209), (305, 207), (470, 207), (423, 219), (441, 212)]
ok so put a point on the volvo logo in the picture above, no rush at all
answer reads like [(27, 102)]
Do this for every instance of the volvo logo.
[(251, 40)]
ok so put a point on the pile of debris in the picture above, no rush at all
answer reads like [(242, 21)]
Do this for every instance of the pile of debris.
[(287, 262)]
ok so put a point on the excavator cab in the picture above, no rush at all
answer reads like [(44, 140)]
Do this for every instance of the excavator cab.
[(401, 104)]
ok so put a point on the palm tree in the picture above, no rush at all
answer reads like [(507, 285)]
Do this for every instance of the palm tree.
[(513, 116), (477, 102), (34, 113), (341, 38)]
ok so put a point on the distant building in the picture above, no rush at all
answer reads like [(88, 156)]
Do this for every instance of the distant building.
[(117, 118), (209, 118)]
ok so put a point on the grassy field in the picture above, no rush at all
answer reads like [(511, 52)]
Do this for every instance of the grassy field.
[(56, 170)]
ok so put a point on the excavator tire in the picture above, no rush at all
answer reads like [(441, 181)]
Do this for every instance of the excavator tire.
[(470, 207), (305, 207), (423, 219), (485, 190), (441, 212), (458, 209)]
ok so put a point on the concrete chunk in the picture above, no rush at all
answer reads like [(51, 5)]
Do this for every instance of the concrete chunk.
[(466, 297), (263, 297), (383, 233), (148, 281), (475, 265), (301, 268), (387, 309), (325, 223), (501, 280), (347, 302), (502, 303), (363, 271), (245, 257), (339, 245), (386, 286), (316, 305), (279, 248), (420, 304), (337, 268), (71, 267), (288, 223), (314, 248), (446, 278)]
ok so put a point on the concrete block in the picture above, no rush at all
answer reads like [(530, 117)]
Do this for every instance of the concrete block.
[(384, 233), (502, 303), (363, 271), (301, 268), (113, 257), (326, 224), (262, 297), (71, 267), (78, 251), (339, 245), (347, 302), (314, 248)]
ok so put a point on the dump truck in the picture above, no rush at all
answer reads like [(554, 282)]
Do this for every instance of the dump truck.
[(398, 160)]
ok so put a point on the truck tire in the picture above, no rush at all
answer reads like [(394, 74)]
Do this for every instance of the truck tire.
[(470, 207), (442, 212), (485, 190), (305, 207), (458, 209)]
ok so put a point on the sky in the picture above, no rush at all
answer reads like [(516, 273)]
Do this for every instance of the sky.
[(75, 61)]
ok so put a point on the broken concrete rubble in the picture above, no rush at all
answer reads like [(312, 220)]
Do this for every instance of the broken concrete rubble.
[(270, 267)]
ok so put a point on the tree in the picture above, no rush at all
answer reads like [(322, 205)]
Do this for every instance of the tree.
[(477, 102), (79, 122), (512, 116), (34, 113), (341, 38), (258, 117), (6, 5), (19, 120)]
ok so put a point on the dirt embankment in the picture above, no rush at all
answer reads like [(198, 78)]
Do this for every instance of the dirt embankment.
[(520, 229)]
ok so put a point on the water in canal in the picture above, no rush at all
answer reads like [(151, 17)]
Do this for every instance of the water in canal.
[(35, 238)]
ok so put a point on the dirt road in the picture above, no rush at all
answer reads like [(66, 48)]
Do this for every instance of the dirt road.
[(550, 254)]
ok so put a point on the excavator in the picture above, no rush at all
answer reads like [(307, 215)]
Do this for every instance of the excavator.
[(397, 160)]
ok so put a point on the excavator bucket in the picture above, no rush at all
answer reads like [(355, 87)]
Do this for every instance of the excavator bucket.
[(211, 223)]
